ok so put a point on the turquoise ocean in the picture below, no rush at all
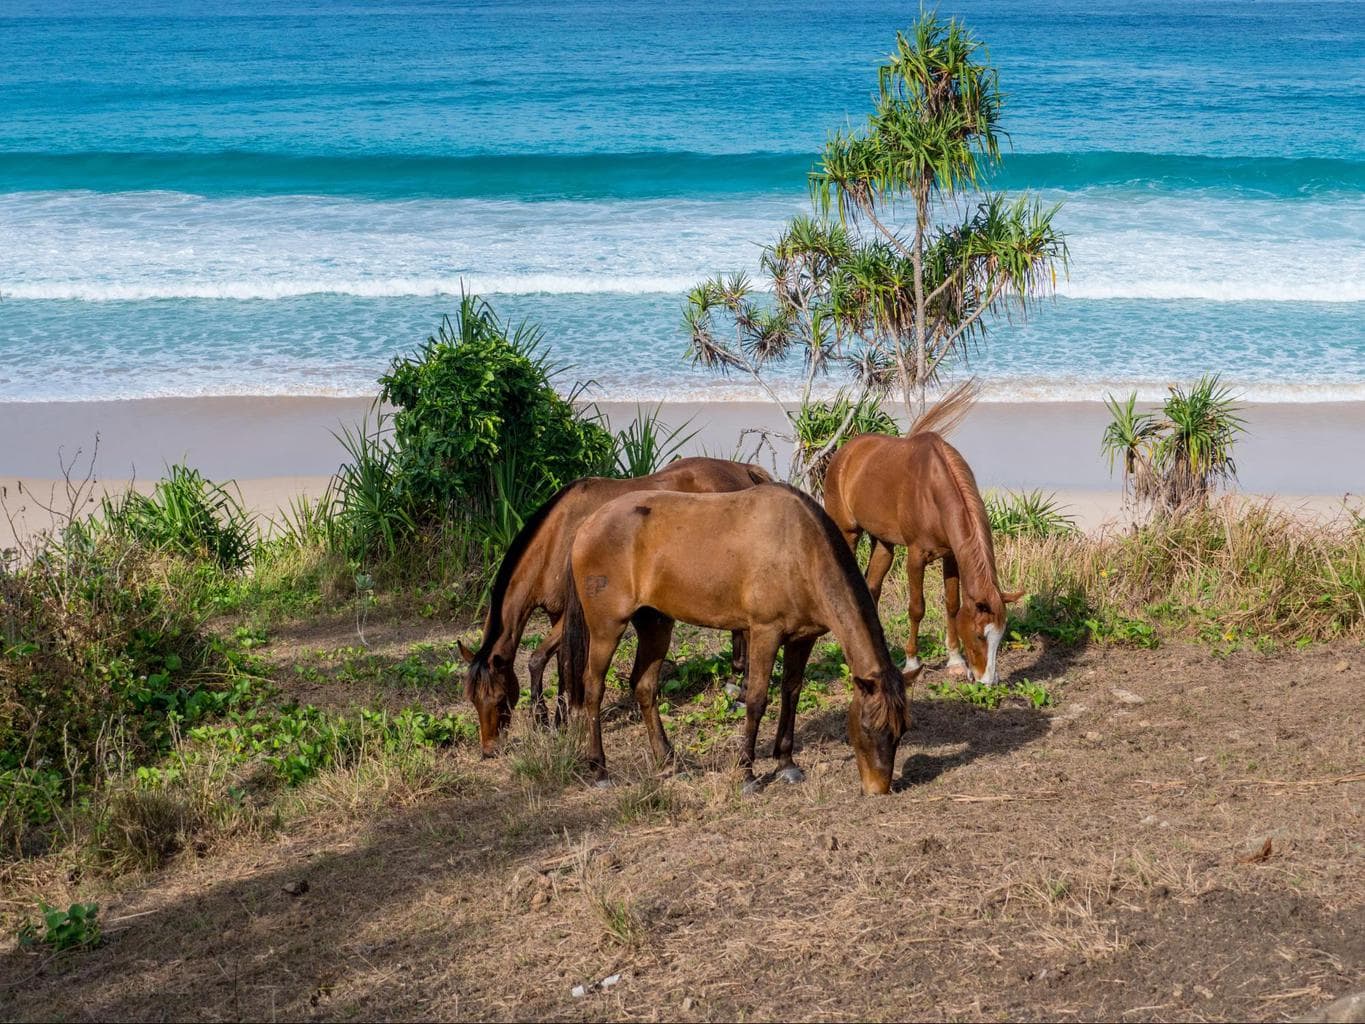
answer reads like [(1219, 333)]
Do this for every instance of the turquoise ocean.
[(275, 198)]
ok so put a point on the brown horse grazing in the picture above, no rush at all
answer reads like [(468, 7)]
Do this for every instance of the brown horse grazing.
[(766, 560), (531, 576), (919, 492)]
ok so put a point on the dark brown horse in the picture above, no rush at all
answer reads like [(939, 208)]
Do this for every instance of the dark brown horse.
[(918, 491), (531, 576), (766, 560)]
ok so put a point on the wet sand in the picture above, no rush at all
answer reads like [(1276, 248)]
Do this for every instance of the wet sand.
[(1306, 455)]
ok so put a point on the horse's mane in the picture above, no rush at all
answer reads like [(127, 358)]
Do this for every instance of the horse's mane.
[(947, 414), (478, 667), (979, 555), (893, 702)]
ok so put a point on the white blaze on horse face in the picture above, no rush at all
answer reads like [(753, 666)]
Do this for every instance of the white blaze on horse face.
[(994, 634)]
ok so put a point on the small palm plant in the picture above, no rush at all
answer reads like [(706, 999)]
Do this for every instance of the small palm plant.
[(1176, 459), (1129, 440), (1195, 452)]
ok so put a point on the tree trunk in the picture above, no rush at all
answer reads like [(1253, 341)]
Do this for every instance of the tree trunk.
[(921, 314)]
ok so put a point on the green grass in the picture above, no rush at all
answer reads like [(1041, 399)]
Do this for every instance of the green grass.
[(980, 695)]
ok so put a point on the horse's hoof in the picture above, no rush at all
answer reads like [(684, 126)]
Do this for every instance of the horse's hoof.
[(752, 788), (604, 783), (792, 774), (957, 669)]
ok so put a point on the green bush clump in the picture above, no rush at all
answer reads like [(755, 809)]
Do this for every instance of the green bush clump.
[(101, 646), (476, 394)]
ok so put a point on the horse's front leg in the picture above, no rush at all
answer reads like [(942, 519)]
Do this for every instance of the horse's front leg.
[(952, 601), (535, 665), (762, 653), (795, 655), (914, 574)]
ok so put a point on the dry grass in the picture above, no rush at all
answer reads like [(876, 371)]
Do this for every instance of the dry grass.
[(1251, 569), (1087, 861)]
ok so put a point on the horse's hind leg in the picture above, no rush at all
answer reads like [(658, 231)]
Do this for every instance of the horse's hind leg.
[(540, 657), (878, 565), (762, 654), (794, 657), (602, 643), (655, 633), (952, 601)]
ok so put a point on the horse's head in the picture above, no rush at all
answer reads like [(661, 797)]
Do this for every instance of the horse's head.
[(981, 627), (877, 719), (492, 688)]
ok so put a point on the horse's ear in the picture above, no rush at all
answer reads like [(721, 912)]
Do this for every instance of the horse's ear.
[(499, 662), (1010, 598), (866, 686), (465, 652)]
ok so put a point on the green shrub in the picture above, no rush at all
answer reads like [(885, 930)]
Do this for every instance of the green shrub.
[(476, 393), (101, 646)]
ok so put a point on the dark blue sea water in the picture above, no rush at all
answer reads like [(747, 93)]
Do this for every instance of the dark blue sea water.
[(265, 197)]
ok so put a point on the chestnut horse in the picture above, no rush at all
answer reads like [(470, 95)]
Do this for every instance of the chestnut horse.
[(919, 492), (531, 576), (766, 560)]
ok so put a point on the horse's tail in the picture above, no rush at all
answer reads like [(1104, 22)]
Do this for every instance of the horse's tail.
[(573, 644), (947, 414)]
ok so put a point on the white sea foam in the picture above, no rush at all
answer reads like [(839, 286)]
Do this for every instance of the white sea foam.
[(140, 246), (1022, 390)]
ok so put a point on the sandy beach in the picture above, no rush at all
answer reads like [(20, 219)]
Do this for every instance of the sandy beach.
[(1307, 456)]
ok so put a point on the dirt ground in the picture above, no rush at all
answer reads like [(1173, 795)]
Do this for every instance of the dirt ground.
[(1181, 837)]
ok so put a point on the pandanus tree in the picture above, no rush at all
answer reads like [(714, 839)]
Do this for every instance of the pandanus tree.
[(909, 255)]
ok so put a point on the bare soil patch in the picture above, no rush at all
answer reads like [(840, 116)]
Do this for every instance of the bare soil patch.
[(1190, 847)]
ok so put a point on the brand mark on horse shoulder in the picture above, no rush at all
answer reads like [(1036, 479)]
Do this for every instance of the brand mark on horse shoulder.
[(594, 585)]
